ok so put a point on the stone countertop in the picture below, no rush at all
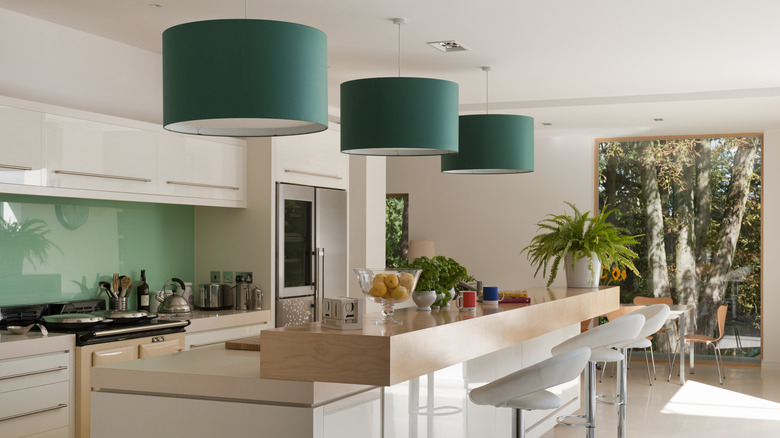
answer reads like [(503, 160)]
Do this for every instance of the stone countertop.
[(218, 374), (205, 320), (32, 343)]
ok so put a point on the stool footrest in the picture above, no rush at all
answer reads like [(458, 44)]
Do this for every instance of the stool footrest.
[(609, 400), (562, 420)]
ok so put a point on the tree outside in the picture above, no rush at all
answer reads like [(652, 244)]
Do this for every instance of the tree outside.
[(697, 201), (396, 230)]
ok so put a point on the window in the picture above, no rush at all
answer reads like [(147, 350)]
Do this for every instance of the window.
[(396, 230), (697, 203)]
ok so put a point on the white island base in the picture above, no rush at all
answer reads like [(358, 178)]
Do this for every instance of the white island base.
[(218, 392)]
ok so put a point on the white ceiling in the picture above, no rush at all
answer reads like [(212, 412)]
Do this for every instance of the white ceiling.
[(602, 67)]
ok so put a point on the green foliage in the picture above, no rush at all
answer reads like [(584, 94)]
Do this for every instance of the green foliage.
[(581, 236), (440, 274), (394, 228), (28, 239)]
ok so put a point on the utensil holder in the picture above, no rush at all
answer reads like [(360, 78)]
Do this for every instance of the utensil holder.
[(119, 303)]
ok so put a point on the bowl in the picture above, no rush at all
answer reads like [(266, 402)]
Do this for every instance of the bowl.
[(387, 287)]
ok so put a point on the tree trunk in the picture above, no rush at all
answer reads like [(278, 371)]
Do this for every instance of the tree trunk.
[(685, 261), (703, 198), (736, 198), (610, 181), (658, 278)]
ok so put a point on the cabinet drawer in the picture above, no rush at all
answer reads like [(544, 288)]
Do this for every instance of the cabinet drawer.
[(114, 355), (34, 410), (33, 371), (159, 348)]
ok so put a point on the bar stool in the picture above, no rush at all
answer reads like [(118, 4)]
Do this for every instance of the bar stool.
[(654, 318), (600, 340), (527, 389)]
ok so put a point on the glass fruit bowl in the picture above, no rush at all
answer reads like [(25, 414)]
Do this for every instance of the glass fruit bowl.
[(387, 287)]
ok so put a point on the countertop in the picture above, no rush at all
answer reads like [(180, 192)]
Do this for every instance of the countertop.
[(32, 343), (205, 320), (217, 374), (427, 341)]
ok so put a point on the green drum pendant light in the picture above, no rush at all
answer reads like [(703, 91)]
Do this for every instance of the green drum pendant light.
[(244, 78), (399, 116), (493, 144)]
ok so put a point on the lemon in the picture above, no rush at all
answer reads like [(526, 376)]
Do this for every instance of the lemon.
[(407, 280), (381, 289), (391, 281), (400, 293), (379, 278), (375, 293)]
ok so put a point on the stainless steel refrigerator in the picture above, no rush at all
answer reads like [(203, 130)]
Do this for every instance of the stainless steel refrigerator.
[(311, 251)]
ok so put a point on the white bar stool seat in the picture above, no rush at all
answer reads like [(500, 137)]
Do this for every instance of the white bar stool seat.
[(600, 339), (526, 389)]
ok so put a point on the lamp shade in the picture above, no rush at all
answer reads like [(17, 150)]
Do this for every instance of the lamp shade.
[(493, 144), (244, 78), (419, 248), (399, 116)]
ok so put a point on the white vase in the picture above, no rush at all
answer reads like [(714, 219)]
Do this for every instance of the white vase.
[(424, 299), (584, 273)]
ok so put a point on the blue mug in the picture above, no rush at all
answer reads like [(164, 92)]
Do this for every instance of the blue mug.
[(490, 293)]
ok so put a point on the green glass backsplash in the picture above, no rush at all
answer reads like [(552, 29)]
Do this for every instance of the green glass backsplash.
[(54, 249)]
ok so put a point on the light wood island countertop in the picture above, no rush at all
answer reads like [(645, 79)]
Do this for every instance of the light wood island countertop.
[(427, 341)]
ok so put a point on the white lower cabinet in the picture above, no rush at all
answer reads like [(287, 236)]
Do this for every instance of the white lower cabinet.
[(36, 396)]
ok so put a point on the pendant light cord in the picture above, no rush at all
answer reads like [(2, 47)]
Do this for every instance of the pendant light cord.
[(487, 91), (245, 10), (399, 49)]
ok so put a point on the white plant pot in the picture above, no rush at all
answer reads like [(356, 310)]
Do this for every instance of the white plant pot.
[(585, 273), (424, 299)]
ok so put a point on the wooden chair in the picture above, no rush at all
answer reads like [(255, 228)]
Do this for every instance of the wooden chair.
[(647, 301), (709, 340)]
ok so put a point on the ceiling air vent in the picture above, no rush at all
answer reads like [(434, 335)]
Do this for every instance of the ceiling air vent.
[(448, 46)]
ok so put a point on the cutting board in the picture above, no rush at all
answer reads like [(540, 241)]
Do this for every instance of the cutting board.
[(248, 344)]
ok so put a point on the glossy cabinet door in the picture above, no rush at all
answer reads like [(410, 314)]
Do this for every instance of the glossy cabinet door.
[(21, 146), (313, 160), (83, 154), (200, 168), (153, 349)]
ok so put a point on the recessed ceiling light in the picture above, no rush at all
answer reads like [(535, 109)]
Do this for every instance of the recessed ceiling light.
[(448, 46), (155, 5), (658, 119), (546, 124)]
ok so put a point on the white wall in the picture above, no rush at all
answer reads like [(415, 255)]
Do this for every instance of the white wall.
[(771, 259), (484, 221)]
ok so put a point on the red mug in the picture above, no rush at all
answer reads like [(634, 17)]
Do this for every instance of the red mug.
[(467, 300)]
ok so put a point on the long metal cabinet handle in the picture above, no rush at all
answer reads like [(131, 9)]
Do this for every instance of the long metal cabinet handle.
[(303, 172), (11, 166), (210, 186), (103, 175), (32, 373), (38, 411), (319, 280)]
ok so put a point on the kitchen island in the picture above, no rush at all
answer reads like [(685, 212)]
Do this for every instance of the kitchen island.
[(441, 354)]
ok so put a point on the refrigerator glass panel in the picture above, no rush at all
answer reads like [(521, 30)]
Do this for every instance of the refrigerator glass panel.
[(297, 243), (294, 311)]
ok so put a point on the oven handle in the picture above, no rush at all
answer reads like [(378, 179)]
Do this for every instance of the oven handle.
[(32, 373), (38, 411)]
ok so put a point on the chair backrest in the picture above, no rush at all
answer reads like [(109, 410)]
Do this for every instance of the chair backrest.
[(646, 301), (543, 375), (722, 312), (613, 333), (655, 317)]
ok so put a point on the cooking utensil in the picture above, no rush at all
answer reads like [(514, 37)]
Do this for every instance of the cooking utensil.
[(104, 286), (19, 330), (173, 303), (125, 283), (115, 283), (213, 296)]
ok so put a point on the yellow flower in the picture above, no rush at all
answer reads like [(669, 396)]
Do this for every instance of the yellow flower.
[(615, 274), (623, 274)]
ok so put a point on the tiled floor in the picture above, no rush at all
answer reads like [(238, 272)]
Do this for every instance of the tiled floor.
[(747, 405)]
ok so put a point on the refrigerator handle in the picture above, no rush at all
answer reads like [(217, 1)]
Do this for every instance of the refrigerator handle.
[(319, 281)]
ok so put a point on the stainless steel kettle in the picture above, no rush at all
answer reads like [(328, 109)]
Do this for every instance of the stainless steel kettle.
[(173, 303)]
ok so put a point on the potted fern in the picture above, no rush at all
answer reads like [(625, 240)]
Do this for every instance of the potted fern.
[(584, 243)]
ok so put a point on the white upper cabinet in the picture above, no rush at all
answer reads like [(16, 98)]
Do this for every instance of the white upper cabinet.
[(82, 154), (20, 146), (312, 159), (202, 168)]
